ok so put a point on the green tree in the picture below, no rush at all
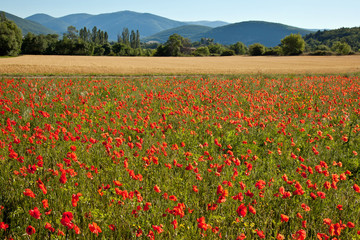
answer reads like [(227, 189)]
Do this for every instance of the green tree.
[(341, 48), (94, 35), (293, 44), (202, 51), (72, 33), (137, 39), (64, 46), (133, 39), (51, 39), (176, 45), (228, 52), (84, 34), (206, 41), (125, 36), (10, 37), (256, 49), (239, 48), (33, 44), (216, 49), (99, 50)]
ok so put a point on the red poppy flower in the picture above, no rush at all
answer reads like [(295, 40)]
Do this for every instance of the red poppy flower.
[(174, 223), (3, 226), (284, 218), (299, 235), (260, 233), (29, 193), (35, 213), (242, 210), (241, 237), (112, 227), (280, 237), (157, 189), (30, 230), (94, 228)]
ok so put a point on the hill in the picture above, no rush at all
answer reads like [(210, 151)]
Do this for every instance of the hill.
[(28, 26), (148, 24), (249, 32), (55, 24), (212, 24), (327, 37), (187, 31)]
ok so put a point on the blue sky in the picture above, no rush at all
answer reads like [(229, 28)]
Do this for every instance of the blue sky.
[(300, 13)]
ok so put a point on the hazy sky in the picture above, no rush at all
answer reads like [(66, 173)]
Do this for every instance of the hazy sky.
[(299, 13)]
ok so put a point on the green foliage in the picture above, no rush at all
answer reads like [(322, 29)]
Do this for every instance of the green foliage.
[(256, 49), (216, 49), (228, 52), (322, 50), (351, 36), (39, 44), (239, 48), (138, 153), (10, 37), (341, 48), (72, 33), (176, 45), (274, 51), (202, 51), (99, 51), (293, 44)]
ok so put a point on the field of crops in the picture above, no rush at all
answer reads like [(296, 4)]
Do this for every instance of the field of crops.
[(180, 158), (89, 65)]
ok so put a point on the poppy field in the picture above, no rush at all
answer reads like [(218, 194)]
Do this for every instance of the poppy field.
[(250, 157)]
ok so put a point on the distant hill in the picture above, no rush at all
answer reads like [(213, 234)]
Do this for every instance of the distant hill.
[(157, 28), (147, 24), (212, 24), (266, 33), (187, 31), (249, 32), (29, 26), (55, 24), (327, 37)]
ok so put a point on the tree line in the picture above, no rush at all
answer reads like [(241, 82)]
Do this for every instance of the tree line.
[(92, 42), (95, 42)]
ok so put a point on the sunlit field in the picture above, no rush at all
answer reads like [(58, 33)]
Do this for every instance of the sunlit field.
[(89, 65), (180, 157)]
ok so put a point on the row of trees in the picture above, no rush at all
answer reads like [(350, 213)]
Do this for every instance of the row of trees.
[(84, 42), (176, 45), (73, 42), (95, 42)]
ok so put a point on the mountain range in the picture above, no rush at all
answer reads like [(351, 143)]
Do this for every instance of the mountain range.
[(156, 28), (249, 32), (147, 24), (29, 26)]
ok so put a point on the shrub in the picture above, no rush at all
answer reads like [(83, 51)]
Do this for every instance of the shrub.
[(202, 51), (341, 48), (293, 44), (256, 49), (228, 52)]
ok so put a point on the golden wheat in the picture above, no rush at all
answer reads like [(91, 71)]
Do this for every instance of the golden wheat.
[(30, 64)]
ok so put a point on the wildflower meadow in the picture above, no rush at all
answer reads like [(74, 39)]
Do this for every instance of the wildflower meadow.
[(249, 157)]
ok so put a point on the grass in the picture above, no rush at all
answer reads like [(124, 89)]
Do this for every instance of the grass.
[(208, 142)]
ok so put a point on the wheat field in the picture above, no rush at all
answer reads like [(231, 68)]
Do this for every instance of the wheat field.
[(83, 65)]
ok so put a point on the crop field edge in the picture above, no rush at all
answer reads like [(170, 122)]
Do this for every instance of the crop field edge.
[(182, 75)]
